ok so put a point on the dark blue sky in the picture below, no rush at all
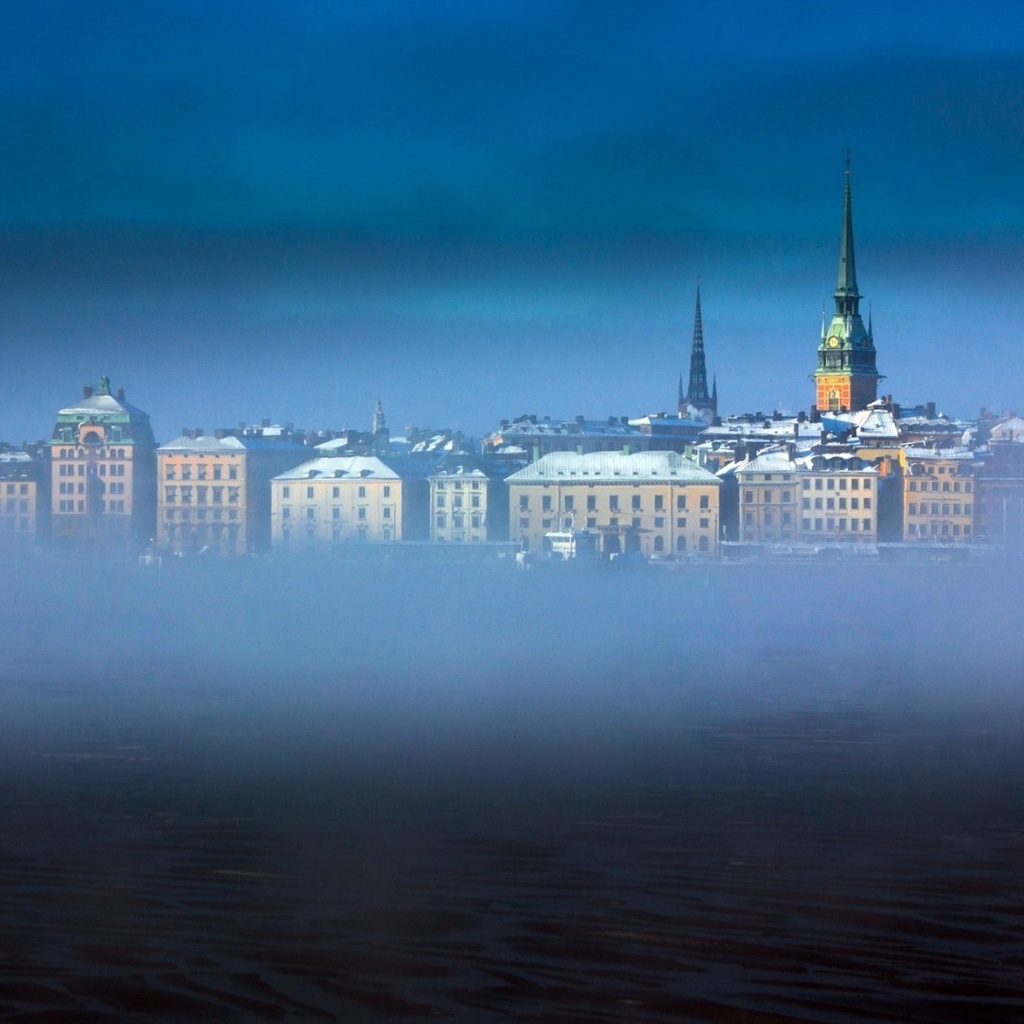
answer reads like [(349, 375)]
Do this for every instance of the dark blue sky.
[(475, 209)]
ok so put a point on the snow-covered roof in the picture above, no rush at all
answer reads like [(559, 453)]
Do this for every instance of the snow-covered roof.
[(875, 422), (211, 444), (566, 428), (783, 429), (776, 460), (341, 467), (613, 467), (1011, 429), (928, 454), (104, 405)]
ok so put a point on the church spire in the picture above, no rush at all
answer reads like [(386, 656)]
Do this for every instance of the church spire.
[(847, 296), (697, 396)]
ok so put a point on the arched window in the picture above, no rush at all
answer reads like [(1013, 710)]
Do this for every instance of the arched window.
[(703, 545), (680, 544)]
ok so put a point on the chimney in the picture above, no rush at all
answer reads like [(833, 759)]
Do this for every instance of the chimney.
[(120, 394), (265, 422), (87, 391), (815, 414), (930, 409)]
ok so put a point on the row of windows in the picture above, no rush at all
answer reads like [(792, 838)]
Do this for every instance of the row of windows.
[(171, 495), (386, 512), (767, 496), (21, 488), (102, 469), (832, 503), (17, 505), (81, 453), (830, 524), (458, 521), (925, 509), (838, 484), (362, 533), (456, 485), (200, 513), (474, 501), (923, 485), (937, 530), (768, 519), (286, 491), (569, 502), (170, 472)]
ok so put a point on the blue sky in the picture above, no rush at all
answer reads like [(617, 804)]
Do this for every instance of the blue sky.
[(474, 210)]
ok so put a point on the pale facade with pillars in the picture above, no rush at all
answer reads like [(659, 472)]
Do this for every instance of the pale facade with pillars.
[(654, 503), (769, 498), (468, 500)]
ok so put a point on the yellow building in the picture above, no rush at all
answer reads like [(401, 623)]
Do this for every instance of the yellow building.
[(103, 471), (838, 498), (938, 495), (350, 498), (24, 493), (655, 503), (213, 492)]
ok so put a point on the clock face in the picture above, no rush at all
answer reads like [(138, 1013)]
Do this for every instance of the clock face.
[(833, 342)]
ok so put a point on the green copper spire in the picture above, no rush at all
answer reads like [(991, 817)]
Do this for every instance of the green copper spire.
[(847, 296)]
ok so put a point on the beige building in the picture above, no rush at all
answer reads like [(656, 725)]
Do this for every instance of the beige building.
[(769, 498), (350, 498), (838, 498), (103, 471), (468, 500), (24, 494), (938, 495), (213, 492), (655, 503)]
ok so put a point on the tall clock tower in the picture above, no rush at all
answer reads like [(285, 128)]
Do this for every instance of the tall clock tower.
[(846, 378)]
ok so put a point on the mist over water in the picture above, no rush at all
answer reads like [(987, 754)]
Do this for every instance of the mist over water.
[(383, 790)]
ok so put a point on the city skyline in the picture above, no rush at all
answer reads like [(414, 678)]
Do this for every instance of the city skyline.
[(479, 211)]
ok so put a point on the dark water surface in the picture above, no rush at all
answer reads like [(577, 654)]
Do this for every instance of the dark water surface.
[(293, 793)]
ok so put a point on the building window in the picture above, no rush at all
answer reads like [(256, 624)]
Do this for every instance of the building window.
[(335, 492), (440, 501), (569, 503), (591, 503), (524, 503), (310, 492), (680, 502), (613, 503), (361, 513), (705, 501), (636, 502), (387, 512), (545, 503), (387, 490), (286, 492)]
